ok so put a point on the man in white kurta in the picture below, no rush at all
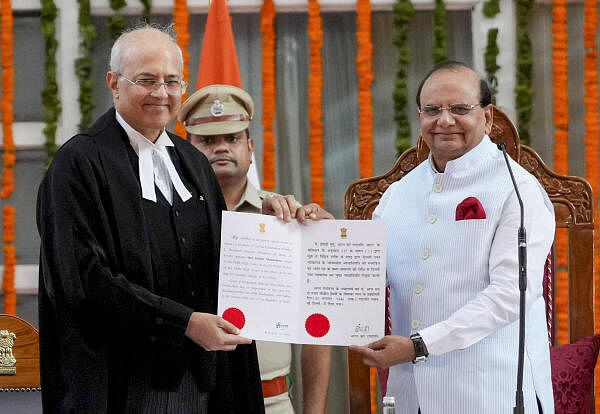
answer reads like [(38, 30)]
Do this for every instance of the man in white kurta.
[(454, 279)]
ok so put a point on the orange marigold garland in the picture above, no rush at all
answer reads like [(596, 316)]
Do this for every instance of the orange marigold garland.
[(10, 260), (267, 28), (364, 68), (181, 18), (591, 104), (315, 111), (7, 180), (561, 158)]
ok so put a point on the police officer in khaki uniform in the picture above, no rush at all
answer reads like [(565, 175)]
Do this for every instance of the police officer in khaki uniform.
[(217, 119)]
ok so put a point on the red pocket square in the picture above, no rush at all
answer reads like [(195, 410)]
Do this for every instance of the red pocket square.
[(470, 208)]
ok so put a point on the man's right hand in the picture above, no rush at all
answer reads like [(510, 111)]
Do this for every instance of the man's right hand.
[(388, 351), (214, 333), (282, 207)]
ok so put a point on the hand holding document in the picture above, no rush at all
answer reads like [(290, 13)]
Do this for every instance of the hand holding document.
[(323, 283)]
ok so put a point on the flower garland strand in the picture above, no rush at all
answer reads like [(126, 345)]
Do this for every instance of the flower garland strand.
[(116, 22), (364, 69), (490, 60), (83, 64), (146, 12), (561, 158), (181, 18), (8, 96), (592, 130), (50, 99), (10, 260), (490, 9), (267, 28), (439, 50), (8, 158), (315, 111), (524, 88), (403, 11)]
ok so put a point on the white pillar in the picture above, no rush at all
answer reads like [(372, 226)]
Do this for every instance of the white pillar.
[(506, 59), (67, 33)]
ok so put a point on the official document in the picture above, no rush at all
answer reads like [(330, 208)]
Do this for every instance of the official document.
[(323, 283)]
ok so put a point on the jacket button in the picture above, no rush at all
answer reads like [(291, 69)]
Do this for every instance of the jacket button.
[(437, 188), (425, 255), (418, 289), (414, 324)]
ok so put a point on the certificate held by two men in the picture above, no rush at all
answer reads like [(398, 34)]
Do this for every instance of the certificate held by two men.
[(323, 283)]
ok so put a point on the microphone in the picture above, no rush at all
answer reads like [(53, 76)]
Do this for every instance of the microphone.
[(522, 243)]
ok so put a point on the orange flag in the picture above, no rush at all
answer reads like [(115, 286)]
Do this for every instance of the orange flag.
[(218, 61)]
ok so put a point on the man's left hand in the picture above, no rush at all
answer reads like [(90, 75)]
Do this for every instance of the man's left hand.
[(389, 350), (314, 212)]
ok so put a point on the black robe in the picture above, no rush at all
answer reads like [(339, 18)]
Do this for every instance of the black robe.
[(96, 299)]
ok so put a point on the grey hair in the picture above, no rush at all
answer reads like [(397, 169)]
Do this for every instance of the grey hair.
[(119, 48)]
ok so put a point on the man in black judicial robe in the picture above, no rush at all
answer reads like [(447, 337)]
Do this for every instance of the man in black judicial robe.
[(128, 285)]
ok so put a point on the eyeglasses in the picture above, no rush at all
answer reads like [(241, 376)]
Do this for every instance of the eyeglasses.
[(173, 87), (455, 109)]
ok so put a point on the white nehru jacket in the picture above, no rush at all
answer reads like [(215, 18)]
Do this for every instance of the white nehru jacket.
[(456, 283)]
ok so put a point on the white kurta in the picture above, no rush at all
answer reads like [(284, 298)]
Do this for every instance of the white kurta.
[(456, 283)]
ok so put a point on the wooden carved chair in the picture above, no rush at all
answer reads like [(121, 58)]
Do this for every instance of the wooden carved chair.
[(572, 200), (19, 355)]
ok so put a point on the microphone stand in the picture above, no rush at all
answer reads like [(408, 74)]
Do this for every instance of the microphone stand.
[(519, 406)]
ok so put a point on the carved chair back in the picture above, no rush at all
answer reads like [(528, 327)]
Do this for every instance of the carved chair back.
[(572, 200), (19, 355)]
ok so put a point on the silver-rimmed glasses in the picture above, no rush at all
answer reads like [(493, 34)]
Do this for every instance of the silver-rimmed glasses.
[(455, 109), (173, 87)]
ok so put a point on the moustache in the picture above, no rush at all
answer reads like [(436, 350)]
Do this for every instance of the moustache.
[(223, 158)]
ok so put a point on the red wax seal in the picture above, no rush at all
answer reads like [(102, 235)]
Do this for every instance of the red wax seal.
[(235, 316), (317, 325)]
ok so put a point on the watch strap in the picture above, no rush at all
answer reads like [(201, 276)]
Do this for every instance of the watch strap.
[(421, 353)]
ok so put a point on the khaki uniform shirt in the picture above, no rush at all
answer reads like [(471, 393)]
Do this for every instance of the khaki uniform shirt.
[(274, 358)]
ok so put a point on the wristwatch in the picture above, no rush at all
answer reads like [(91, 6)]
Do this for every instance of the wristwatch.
[(421, 353)]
